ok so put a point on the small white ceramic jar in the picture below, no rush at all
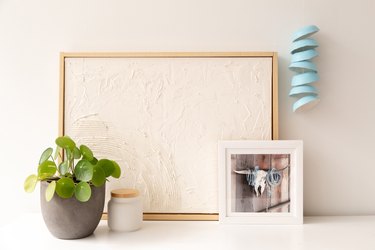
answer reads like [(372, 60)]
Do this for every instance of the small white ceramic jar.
[(125, 210)]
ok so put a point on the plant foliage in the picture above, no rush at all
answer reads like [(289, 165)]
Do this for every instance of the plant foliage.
[(76, 172)]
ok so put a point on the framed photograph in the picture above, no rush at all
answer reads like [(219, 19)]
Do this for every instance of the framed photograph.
[(261, 182), (161, 115)]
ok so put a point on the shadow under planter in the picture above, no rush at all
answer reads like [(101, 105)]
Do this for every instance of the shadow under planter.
[(70, 218)]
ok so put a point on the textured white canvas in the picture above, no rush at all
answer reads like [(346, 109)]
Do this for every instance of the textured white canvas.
[(161, 120)]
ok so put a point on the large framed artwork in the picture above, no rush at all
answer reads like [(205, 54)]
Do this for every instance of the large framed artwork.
[(260, 182), (161, 115)]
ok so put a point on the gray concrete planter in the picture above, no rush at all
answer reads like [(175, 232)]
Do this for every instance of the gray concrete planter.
[(70, 218)]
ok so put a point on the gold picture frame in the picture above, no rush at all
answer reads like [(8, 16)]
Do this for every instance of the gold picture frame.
[(193, 55)]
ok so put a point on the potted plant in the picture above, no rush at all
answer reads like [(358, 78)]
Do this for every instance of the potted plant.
[(72, 190)]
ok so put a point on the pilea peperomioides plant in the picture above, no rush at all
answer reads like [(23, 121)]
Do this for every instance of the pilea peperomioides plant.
[(75, 173)]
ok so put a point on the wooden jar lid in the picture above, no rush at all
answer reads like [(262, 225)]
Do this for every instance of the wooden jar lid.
[(124, 193)]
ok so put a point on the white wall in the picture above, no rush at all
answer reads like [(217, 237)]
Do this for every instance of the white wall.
[(338, 134)]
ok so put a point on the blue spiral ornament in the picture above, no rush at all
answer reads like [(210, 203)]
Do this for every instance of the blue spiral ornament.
[(303, 51)]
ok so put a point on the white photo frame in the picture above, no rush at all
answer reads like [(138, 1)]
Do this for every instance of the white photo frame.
[(260, 182)]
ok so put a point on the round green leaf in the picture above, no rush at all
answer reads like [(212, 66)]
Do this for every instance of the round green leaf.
[(50, 191), (86, 153), (107, 166), (57, 153), (69, 154), (76, 153), (46, 169), (117, 170), (45, 155), (30, 183), (82, 191), (65, 142), (84, 170), (98, 177), (65, 187), (63, 167), (94, 161)]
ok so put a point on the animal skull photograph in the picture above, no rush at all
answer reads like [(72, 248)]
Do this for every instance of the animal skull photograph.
[(260, 183)]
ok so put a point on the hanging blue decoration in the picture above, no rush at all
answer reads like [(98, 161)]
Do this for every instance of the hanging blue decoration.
[(303, 51)]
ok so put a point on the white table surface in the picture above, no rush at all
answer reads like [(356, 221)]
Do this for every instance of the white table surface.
[(355, 233)]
